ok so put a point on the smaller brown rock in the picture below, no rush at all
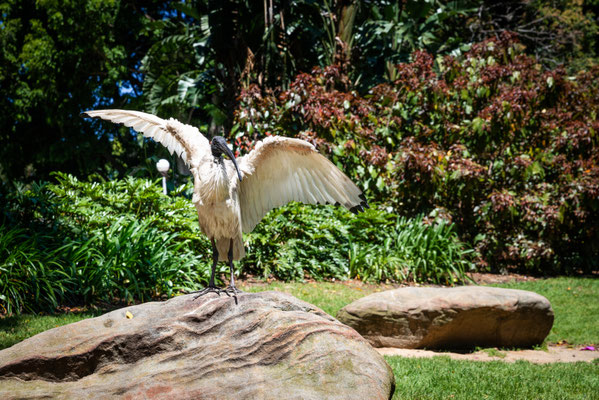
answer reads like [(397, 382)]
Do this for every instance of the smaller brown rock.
[(446, 318)]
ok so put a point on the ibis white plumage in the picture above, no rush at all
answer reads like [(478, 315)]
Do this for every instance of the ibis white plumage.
[(231, 196)]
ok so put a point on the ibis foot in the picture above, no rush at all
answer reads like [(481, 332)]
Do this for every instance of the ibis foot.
[(210, 289), (233, 290)]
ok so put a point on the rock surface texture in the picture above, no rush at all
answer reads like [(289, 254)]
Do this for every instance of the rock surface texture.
[(449, 318), (266, 345)]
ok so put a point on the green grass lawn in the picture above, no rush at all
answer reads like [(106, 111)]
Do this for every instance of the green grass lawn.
[(19, 327), (443, 378), (574, 300), (329, 296)]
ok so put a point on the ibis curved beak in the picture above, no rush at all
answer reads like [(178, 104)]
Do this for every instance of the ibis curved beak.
[(231, 156)]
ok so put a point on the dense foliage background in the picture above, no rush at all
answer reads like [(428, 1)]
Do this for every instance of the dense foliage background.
[(468, 118), (191, 60), (80, 243)]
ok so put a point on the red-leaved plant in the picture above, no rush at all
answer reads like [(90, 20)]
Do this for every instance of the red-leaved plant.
[(505, 149)]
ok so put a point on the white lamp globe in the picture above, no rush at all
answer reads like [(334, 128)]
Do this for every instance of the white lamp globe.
[(162, 166)]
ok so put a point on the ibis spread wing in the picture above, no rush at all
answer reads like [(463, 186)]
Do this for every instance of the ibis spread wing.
[(185, 140), (280, 170)]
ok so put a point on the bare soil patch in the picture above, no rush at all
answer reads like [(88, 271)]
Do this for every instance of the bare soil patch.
[(478, 278), (554, 353), (481, 278)]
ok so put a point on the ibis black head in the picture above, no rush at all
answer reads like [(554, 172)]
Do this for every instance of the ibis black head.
[(218, 146)]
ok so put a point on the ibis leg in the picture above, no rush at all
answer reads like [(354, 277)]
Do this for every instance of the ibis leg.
[(231, 288), (214, 262), (212, 288)]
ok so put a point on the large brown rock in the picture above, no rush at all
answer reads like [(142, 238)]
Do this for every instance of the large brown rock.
[(269, 345), (446, 318)]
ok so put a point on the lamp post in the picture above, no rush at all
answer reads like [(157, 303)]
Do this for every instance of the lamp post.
[(162, 166)]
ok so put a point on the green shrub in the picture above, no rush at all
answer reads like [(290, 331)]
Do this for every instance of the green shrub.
[(126, 262), (28, 273), (490, 140), (73, 242), (297, 241)]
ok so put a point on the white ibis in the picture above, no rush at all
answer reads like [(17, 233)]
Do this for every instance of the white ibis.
[(232, 196)]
